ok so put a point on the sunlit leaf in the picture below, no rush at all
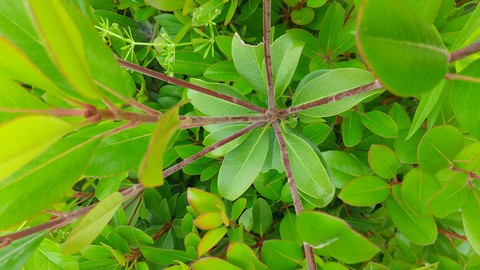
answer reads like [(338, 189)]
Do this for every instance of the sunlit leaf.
[(213, 263), (210, 239), (242, 256), (204, 202), (365, 191), (49, 256), (418, 188), (383, 161), (281, 254)]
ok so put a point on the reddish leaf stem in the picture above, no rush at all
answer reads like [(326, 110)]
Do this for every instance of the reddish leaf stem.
[(451, 234), (352, 92), (163, 77), (267, 5), (464, 52), (297, 203)]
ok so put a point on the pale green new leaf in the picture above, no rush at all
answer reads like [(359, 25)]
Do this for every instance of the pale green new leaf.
[(210, 239), (421, 230), (24, 138), (213, 263), (310, 175), (241, 166), (243, 256), (151, 169), (327, 84), (249, 62), (65, 44), (335, 238), (92, 224), (404, 51)]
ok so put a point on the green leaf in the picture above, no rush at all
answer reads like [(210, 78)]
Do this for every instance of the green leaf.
[(210, 239), (165, 5), (262, 216), (418, 188), (151, 169), (166, 256), (469, 32), (243, 256), (65, 43), (465, 98), (288, 228), (49, 256), (213, 263), (208, 221), (285, 53), (302, 16), (380, 123), (17, 253), (427, 9), (310, 175), (352, 129), (92, 224), (270, 184), (249, 63), (421, 230), (418, 45), (335, 239), (451, 197), (241, 166), (64, 161), (344, 167), (331, 25), (406, 149), (24, 138), (188, 63), (213, 106), (383, 161), (316, 132), (428, 103), (204, 14), (222, 71), (323, 85), (471, 222), (438, 147), (365, 191), (204, 202), (281, 254), (237, 208)]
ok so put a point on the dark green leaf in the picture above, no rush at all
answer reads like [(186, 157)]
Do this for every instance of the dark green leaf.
[(262, 216)]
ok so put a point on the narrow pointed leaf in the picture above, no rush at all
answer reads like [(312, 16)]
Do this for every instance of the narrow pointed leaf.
[(92, 224), (335, 239), (151, 169), (402, 36), (17, 253), (241, 166), (65, 44), (32, 135), (310, 175), (286, 53)]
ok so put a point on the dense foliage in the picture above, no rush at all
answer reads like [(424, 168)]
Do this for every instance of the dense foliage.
[(239, 134)]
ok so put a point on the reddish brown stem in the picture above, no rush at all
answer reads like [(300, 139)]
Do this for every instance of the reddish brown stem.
[(464, 52), (267, 5), (451, 234), (163, 77)]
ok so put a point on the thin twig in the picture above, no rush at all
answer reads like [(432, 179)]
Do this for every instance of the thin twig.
[(352, 92), (267, 5), (297, 203), (210, 148), (163, 77), (464, 52), (451, 234)]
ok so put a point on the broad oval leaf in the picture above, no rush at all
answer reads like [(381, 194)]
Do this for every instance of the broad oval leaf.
[(208, 221), (327, 84), (151, 169), (24, 138), (282, 254), (380, 123), (465, 97), (249, 62), (65, 44), (471, 222), (352, 129), (335, 239), (310, 175), (418, 188), (383, 161), (210, 239), (438, 147), (365, 191), (92, 224), (344, 167), (204, 202), (402, 36), (243, 256), (421, 230), (222, 71), (451, 197), (262, 216), (241, 166)]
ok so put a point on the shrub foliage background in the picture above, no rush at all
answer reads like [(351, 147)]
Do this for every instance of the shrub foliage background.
[(352, 142)]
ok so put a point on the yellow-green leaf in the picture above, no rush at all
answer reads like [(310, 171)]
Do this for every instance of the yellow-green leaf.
[(92, 224), (65, 44), (151, 169), (210, 239), (23, 138)]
